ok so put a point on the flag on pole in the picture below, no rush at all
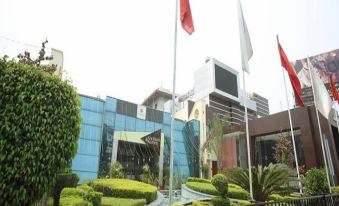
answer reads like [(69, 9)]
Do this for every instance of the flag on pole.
[(291, 73), (245, 41), (333, 89), (323, 100), (186, 16)]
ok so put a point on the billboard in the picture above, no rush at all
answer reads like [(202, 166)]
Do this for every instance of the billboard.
[(325, 64)]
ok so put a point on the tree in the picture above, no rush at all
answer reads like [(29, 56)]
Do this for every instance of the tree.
[(39, 129), (116, 170), (218, 126), (283, 151), (147, 176), (265, 180)]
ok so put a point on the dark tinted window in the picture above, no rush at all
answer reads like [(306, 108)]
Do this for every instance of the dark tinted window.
[(226, 81), (126, 108), (154, 115)]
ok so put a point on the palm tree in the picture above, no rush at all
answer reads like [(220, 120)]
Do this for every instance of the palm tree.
[(266, 180), (217, 127)]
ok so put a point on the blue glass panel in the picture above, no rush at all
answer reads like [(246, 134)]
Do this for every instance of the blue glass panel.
[(167, 118), (111, 104), (85, 163), (90, 132), (130, 124), (149, 126), (167, 131), (91, 104), (85, 176), (140, 125), (88, 147), (179, 147), (109, 118), (157, 126), (178, 136), (93, 118), (120, 122), (179, 125)]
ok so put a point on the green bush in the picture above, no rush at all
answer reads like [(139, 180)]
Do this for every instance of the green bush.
[(199, 203), (196, 179), (74, 201), (240, 202), (219, 181), (316, 182), (71, 192), (277, 197), (238, 193), (39, 128), (220, 201), (112, 201), (116, 170), (206, 188), (125, 188), (63, 180), (94, 197), (85, 188), (335, 189)]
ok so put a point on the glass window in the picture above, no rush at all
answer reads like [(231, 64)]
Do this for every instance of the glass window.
[(149, 126), (111, 104), (119, 122), (91, 104), (93, 118), (109, 118), (130, 124), (140, 125), (167, 118), (126, 108)]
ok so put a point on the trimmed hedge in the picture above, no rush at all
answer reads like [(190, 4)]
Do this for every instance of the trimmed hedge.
[(63, 180), (39, 129), (74, 201), (335, 189), (277, 197), (220, 201), (234, 191), (86, 193), (125, 188), (219, 181), (196, 179), (112, 201), (199, 203)]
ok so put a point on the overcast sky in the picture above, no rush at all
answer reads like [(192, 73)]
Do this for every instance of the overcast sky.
[(124, 48)]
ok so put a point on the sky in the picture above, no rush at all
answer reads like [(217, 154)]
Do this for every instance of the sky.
[(125, 49)]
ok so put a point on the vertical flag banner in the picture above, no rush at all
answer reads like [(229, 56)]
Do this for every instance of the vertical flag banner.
[(292, 74), (245, 41), (323, 100), (333, 89), (186, 16)]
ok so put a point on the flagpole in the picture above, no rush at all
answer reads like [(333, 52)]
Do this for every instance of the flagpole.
[(320, 132), (173, 104), (292, 133), (247, 138)]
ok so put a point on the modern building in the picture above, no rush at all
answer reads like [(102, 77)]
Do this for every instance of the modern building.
[(262, 104), (116, 130)]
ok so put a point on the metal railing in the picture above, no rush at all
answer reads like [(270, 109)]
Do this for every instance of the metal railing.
[(324, 200)]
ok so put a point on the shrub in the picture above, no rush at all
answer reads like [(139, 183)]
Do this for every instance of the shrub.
[(316, 182), (238, 193), (199, 203), (86, 193), (74, 201), (39, 128), (125, 188), (219, 181), (72, 192), (220, 201), (277, 197), (94, 197), (335, 189), (116, 170), (85, 188), (240, 202), (196, 179), (205, 170), (63, 180), (112, 201), (147, 176), (206, 188)]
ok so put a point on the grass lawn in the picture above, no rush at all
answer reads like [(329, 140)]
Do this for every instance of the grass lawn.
[(112, 201)]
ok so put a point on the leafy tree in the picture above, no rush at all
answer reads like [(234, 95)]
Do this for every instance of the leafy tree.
[(116, 170), (218, 126), (316, 182), (265, 180), (283, 151), (39, 128)]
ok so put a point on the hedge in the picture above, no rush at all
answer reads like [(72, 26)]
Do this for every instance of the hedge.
[(112, 201), (234, 191), (125, 188), (277, 197), (200, 203), (74, 201), (83, 192), (196, 179), (63, 180), (335, 189), (39, 129)]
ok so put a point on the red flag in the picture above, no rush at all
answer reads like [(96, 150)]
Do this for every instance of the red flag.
[(186, 16), (291, 73), (333, 89)]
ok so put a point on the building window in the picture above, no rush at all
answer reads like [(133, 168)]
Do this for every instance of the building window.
[(156, 106)]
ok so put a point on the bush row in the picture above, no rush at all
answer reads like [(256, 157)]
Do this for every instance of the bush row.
[(82, 195), (125, 189), (196, 179), (112, 201), (234, 191)]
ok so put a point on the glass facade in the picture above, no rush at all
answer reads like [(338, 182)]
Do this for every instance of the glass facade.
[(103, 120), (265, 144)]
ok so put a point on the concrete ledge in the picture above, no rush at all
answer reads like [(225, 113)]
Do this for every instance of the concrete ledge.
[(188, 195), (158, 201)]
